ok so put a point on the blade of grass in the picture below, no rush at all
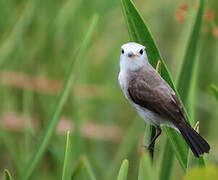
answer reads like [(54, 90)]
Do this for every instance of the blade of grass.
[(215, 91), (186, 85), (49, 131), (145, 167), (123, 170), (76, 138), (83, 163), (7, 175), (191, 100), (166, 163), (189, 61), (27, 103), (89, 170), (139, 32), (67, 168), (77, 168)]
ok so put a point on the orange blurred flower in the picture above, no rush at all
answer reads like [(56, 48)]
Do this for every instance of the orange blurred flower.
[(209, 15), (180, 15), (183, 6), (215, 32)]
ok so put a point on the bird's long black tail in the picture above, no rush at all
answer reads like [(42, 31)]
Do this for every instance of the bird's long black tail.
[(197, 144)]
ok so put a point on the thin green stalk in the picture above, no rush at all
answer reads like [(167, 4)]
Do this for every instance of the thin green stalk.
[(83, 163), (67, 168), (77, 168), (190, 61), (166, 163), (76, 137), (27, 101), (214, 89), (89, 170)]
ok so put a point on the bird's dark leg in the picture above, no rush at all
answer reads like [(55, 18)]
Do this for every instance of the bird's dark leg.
[(151, 145)]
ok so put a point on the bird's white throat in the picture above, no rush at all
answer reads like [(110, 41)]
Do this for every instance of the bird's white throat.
[(133, 64)]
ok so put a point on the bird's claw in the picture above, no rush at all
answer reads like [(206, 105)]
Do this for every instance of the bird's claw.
[(149, 148)]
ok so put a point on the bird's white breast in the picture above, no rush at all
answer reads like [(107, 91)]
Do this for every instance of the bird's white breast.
[(123, 81), (122, 78), (146, 114)]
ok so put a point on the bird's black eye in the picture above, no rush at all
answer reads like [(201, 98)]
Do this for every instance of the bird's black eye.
[(122, 51), (141, 51)]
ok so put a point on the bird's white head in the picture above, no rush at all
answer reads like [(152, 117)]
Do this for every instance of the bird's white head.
[(133, 57)]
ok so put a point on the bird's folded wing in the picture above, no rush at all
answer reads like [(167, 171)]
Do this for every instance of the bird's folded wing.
[(159, 98)]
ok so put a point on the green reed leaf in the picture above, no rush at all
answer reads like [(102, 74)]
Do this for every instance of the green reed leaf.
[(123, 170), (67, 168)]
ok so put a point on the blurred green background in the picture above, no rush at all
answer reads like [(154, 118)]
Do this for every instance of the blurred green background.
[(39, 40)]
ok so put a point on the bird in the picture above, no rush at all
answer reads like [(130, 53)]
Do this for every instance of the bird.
[(153, 98)]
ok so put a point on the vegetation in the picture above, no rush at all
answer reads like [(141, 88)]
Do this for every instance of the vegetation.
[(63, 115)]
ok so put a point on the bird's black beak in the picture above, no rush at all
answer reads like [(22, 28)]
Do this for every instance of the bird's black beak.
[(131, 54)]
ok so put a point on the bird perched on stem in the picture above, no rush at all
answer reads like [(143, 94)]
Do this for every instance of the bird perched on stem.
[(153, 98)]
